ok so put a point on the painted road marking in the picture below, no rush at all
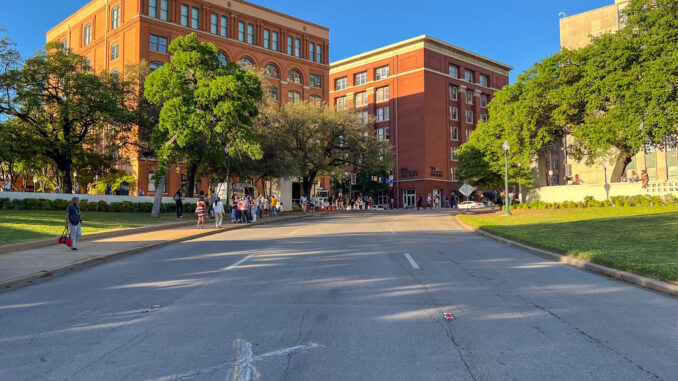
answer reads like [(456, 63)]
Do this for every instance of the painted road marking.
[(295, 232), (392, 232), (242, 367), (412, 262), (240, 262)]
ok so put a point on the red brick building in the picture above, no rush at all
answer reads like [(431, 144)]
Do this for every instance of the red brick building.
[(115, 33), (427, 96)]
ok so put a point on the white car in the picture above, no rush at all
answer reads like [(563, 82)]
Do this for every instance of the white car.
[(466, 205)]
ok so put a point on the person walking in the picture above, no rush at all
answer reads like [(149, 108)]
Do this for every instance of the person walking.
[(304, 202), (107, 190), (180, 204), (213, 199), (201, 211), (644, 178), (218, 212), (74, 221), (447, 202), (274, 206), (420, 201)]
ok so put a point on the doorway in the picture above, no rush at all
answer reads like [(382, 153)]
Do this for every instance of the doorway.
[(409, 198)]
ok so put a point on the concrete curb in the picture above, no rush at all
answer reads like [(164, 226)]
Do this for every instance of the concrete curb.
[(4, 249), (639, 280), (32, 278)]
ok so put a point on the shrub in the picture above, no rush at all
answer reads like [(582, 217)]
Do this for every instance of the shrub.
[(146, 207), (128, 206), (102, 206), (45, 204), (18, 204), (656, 201), (85, 205), (60, 204), (31, 204), (116, 207), (188, 208)]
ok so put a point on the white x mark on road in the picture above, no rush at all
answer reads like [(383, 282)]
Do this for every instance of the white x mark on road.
[(242, 366)]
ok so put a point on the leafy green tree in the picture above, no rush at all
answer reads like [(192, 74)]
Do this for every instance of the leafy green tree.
[(205, 106), (318, 140), (621, 91), (59, 103)]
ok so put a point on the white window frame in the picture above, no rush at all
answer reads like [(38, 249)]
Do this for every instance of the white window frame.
[(195, 18), (115, 17), (164, 10), (453, 71), (454, 113), (469, 97), (484, 80), (115, 51), (87, 35), (360, 79), (185, 10), (383, 94), (454, 133), (466, 75), (454, 92), (381, 73), (341, 83), (361, 99), (483, 100), (469, 117)]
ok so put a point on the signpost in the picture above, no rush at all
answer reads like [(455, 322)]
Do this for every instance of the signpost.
[(466, 190)]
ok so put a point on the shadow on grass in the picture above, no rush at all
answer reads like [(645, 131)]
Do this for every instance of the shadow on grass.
[(643, 244)]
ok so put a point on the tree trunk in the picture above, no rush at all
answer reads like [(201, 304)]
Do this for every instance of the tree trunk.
[(620, 166), (308, 182), (190, 179), (542, 169), (155, 212), (66, 179)]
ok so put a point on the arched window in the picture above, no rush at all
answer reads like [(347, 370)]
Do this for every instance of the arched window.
[(294, 77), (246, 63), (223, 59), (316, 100), (272, 71), (293, 96)]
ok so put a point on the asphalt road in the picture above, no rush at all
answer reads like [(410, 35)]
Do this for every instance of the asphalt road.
[(336, 298)]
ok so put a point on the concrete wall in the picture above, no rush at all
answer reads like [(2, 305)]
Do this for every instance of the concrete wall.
[(600, 191), (88, 197)]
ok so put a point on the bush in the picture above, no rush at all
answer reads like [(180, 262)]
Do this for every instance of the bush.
[(3, 201), (188, 208), (85, 205), (146, 207), (116, 207), (31, 204), (128, 206), (60, 204), (45, 204), (102, 206)]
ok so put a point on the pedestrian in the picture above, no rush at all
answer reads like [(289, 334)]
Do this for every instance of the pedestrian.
[(420, 201), (7, 186), (247, 205), (644, 178), (213, 199), (180, 204), (447, 202), (218, 212), (74, 222), (274, 206), (57, 190), (201, 211), (107, 190), (78, 189), (141, 193), (428, 201), (304, 203)]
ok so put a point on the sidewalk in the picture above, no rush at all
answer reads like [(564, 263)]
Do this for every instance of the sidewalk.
[(21, 267)]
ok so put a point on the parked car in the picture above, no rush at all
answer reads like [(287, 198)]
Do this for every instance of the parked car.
[(466, 205)]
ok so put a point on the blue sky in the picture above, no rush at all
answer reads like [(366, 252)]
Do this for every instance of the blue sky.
[(516, 32)]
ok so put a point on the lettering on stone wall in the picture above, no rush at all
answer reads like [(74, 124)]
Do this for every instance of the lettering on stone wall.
[(435, 173)]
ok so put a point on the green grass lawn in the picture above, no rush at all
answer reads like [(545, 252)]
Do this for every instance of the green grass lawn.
[(32, 225), (638, 240)]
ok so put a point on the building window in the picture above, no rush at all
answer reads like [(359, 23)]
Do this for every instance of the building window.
[(381, 73), (155, 65), (250, 34), (246, 63), (115, 51), (387, 133), (383, 94), (274, 41), (468, 76), (224, 26), (267, 39), (469, 116), (316, 100), (223, 59), (453, 174), (293, 96), (316, 81), (454, 113), (294, 77), (454, 92), (153, 8), (87, 37), (319, 53), (272, 71), (454, 71), (290, 45), (454, 133), (363, 115), (241, 31), (483, 80), (195, 18), (469, 97), (88, 65), (380, 134), (273, 92), (360, 79), (158, 44), (164, 10), (484, 117), (341, 103), (297, 47), (340, 83), (361, 99), (214, 23), (115, 17), (468, 134), (453, 154), (383, 114), (483, 100), (311, 51), (184, 15)]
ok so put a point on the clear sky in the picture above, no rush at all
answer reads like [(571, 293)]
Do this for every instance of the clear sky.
[(516, 32)]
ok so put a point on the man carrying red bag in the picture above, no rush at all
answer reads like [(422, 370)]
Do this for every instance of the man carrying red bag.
[(74, 221)]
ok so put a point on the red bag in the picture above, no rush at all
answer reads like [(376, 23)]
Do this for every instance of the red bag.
[(65, 238)]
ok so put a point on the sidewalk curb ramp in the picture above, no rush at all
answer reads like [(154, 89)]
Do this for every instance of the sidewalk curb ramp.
[(638, 280), (45, 274)]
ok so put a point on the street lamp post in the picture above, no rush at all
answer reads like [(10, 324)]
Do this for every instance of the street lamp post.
[(228, 174), (506, 146), (605, 168)]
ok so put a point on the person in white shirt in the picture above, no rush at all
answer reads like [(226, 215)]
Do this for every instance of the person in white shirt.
[(304, 203), (218, 212)]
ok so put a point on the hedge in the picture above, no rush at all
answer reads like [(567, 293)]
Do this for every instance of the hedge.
[(590, 202), (87, 206)]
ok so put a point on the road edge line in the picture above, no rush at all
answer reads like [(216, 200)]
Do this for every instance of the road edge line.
[(638, 280)]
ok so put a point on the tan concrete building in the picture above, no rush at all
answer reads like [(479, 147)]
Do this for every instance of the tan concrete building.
[(575, 33)]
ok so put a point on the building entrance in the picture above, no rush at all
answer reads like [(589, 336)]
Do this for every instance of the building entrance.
[(409, 198)]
